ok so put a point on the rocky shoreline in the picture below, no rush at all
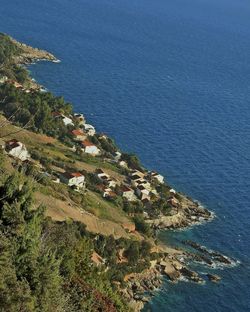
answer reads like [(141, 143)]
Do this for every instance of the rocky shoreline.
[(173, 264), (29, 54), (188, 213)]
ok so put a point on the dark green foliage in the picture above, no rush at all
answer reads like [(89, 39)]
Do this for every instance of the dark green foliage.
[(142, 226), (108, 145), (132, 207), (46, 266), (132, 161), (35, 108), (137, 254), (7, 49)]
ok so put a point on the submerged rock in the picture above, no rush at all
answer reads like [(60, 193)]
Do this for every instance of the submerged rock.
[(213, 277)]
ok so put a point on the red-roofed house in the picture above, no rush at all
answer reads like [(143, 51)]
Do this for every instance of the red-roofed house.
[(74, 179), (79, 135), (90, 148)]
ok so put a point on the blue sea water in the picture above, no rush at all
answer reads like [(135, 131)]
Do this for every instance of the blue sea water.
[(170, 81)]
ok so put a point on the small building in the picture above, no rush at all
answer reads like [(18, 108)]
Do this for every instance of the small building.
[(80, 119), (89, 129), (156, 176), (128, 193), (137, 173), (144, 196), (135, 178), (141, 190), (79, 135), (73, 179), (100, 173), (106, 192), (90, 148), (111, 182), (105, 178), (172, 192), (117, 156), (17, 149), (144, 183), (123, 164), (66, 120)]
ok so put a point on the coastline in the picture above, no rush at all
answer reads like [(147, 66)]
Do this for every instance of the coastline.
[(172, 262)]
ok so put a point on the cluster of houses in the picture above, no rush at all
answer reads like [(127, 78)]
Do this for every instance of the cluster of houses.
[(18, 150), (140, 185), (107, 184), (81, 133)]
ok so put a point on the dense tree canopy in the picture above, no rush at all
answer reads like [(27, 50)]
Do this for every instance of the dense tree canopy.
[(44, 265)]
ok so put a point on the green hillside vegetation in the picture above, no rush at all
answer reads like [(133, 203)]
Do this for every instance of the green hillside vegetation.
[(7, 67), (49, 231), (47, 264)]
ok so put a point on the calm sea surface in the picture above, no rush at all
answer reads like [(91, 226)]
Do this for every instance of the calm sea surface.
[(170, 81)]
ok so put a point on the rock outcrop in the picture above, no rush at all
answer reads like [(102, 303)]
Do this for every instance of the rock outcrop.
[(29, 54)]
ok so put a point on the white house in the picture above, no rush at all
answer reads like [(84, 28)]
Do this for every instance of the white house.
[(89, 129), (141, 190), (74, 179), (144, 197), (100, 173), (106, 191), (172, 192), (143, 182), (66, 120), (80, 119), (123, 164), (117, 156), (156, 176), (111, 183), (128, 193), (105, 178), (137, 173), (17, 149), (90, 148)]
